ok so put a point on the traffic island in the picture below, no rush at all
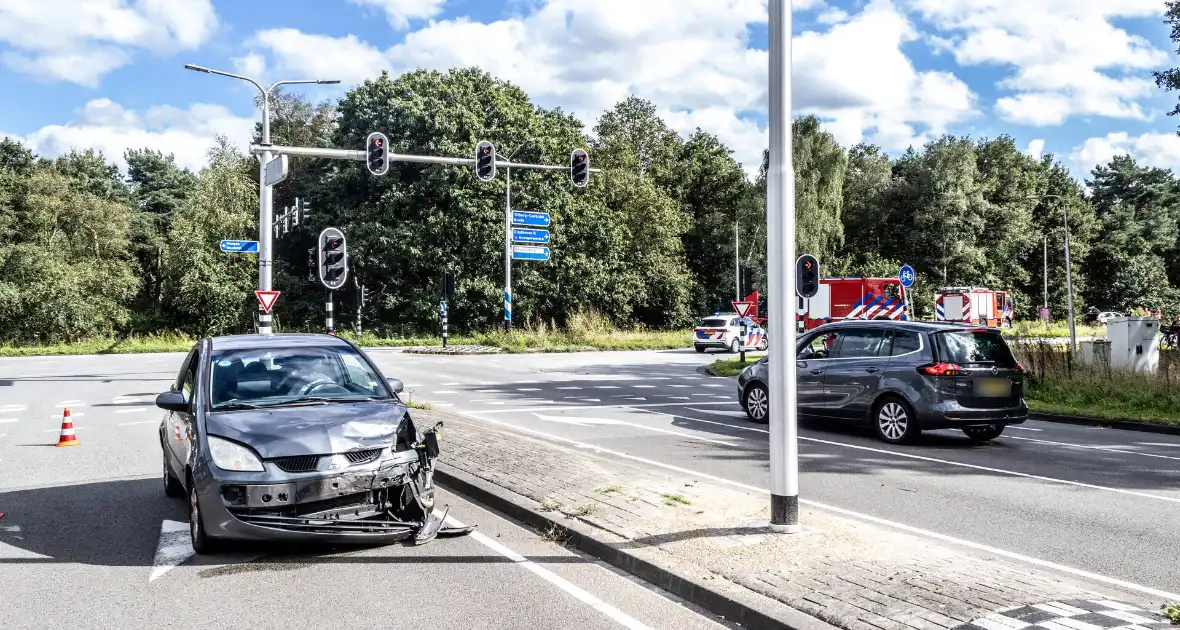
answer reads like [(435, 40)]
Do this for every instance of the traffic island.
[(703, 539)]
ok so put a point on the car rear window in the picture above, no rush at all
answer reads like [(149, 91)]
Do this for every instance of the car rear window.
[(970, 347), (714, 322)]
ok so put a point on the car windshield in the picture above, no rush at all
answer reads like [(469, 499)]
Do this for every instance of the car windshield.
[(275, 376), (971, 347), (714, 322)]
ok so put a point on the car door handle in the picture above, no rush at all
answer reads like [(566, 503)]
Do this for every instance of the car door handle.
[(818, 371), (872, 370)]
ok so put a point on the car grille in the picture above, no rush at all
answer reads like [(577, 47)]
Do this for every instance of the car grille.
[(298, 464), (363, 457)]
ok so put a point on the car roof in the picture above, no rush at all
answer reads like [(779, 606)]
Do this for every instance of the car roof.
[(282, 340), (917, 326)]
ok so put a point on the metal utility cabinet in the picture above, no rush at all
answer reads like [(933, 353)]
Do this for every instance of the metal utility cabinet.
[(1134, 343)]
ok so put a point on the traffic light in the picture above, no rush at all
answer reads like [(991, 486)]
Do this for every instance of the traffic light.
[(485, 161), (333, 258), (748, 280), (806, 276), (579, 167), (378, 147), (448, 284), (311, 264), (302, 210)]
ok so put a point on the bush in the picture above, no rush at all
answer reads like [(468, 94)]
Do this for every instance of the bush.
[(1060, 383)]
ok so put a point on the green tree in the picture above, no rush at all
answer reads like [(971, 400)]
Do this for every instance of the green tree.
[(214, 291)]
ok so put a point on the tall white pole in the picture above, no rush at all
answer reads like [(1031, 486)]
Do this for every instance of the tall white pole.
[(737, 262), (265, 214), (507, 249), (780, 265)]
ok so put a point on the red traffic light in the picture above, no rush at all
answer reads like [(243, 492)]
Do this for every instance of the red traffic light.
[(377, 142)]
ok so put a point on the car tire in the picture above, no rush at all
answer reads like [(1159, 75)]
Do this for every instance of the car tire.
[(172, 487), (733, 346), (202, 542), (984, 433), (764, 344), (894, 421), (700, 349), (756, 403)]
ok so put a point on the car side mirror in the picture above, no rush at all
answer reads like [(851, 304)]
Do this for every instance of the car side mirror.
[(172, 401), (396, 384)]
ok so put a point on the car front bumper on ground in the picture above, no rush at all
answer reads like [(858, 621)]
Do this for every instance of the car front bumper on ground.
[(348, 505)]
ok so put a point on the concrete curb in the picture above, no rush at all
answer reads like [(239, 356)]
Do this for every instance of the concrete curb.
[(751, 610), (1126, 425)]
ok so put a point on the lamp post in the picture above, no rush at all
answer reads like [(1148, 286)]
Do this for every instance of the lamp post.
[(1073, 338), (265, 200)]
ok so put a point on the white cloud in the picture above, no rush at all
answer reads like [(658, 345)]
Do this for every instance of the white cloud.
[(81, 40), (683, 55), (106, 126), (252, 65), (1035, 148), (1067, 56), (1151, 149), (743, 136), (832, 16), (400, 12)]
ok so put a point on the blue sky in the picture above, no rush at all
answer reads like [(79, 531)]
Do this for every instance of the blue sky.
[(1071, 77)]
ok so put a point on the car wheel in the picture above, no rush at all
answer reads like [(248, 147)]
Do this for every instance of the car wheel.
[(894, 421), (202, 543), (172, 487), (733, 346), (985, 433), (700, 349), (756, 403), (764, 344)]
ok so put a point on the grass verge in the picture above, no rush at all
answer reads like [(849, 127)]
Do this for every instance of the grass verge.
[(733, 367), (1041, 330)]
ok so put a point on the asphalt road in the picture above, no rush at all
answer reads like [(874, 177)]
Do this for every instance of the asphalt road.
[(90, 540), (1100, 500)]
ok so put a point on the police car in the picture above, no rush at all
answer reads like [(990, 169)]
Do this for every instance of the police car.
[(724, 331)]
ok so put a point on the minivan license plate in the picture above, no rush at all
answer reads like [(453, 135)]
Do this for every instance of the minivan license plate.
[(993, 387)]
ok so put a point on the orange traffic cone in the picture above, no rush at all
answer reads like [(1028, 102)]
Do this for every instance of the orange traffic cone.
[(67, 431)]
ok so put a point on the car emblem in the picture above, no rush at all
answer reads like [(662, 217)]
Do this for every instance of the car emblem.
[(995, 370)]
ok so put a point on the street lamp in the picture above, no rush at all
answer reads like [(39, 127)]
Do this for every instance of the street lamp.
[(265, 200), (508, 230), (1073, 339)]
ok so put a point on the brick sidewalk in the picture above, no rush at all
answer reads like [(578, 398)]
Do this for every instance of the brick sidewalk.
[(848, 573)]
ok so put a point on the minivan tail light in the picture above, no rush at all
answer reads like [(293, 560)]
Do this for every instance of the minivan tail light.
[(942, 369)]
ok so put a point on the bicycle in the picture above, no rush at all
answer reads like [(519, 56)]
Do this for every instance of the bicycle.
[(1171, 336)]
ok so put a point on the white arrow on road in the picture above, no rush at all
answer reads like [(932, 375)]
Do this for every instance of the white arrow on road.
[(175, 546)]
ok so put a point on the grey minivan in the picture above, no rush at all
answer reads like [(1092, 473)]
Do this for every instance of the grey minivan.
[(900, 378)]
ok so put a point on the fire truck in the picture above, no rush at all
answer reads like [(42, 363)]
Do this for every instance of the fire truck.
[(853, 298), (974, 305)]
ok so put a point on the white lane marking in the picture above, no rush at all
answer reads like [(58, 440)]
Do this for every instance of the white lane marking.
[(1012, 426), (438, 404), (70, 403), (12, 408), (528, 389), (680, 386), (580, 420), (720, 424), (129, 424), (580, 407), (715, 385), (569, 388), (610, 611), (1096, 447), (1168, 444), (72, 415), (644, 386), (606, 387), (175, 546), (991, 623), (3, 420), (701, 395), (858, 515), (451, 384), (676, 397), (659, 378), (488, 391), (691, 378), (446, 391), (139, 410), (721, 412)]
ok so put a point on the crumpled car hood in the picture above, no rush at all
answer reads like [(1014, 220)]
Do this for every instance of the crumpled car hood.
[(310, 429)]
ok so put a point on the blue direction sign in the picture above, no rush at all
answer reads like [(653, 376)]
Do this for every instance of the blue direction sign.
[(525, 235), (239, 247), (906, 275), (538, 219), (526, 252)]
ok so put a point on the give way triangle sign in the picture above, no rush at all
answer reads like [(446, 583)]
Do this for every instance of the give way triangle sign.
[(267, 299), (743, 308)]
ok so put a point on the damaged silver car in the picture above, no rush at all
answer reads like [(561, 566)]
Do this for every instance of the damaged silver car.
[(296, 437)]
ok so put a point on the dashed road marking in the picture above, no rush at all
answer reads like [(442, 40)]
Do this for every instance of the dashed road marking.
[(606, 387), (446, 391), (488, 391), (138, 410), (60, 416), (70, 403), (5, 420), (644, 386), (1109, 449), (569, 387), (528, 389), (129, 424)]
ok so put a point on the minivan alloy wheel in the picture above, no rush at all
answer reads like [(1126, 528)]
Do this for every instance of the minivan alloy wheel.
[(757, 403), (893, 421)]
